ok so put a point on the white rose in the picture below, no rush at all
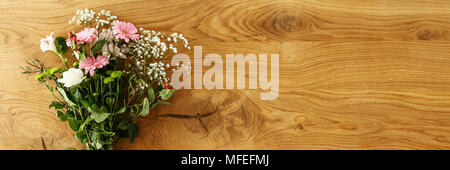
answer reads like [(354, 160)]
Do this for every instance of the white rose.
[(48, 44), (72, 77)]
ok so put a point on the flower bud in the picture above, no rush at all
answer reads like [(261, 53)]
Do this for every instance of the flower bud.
[(40, 76)]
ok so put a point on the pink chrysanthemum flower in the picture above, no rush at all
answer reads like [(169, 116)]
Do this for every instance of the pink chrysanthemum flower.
[(125, 31), (101, 61), (90, 64), (86, 36)]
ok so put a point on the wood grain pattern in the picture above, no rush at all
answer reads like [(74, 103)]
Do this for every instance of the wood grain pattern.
[(353, 74)]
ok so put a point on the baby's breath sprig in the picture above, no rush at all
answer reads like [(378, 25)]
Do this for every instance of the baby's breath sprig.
[(149, 52), (93, 19)]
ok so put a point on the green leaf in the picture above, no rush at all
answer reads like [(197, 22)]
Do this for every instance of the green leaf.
[(70, 148), (56, 105), (62, 117), (60, 44), (64, 95), (131, 114), (116, 74), (85, 103), (81, 136), (103, 109), (98, 46), (122, 110), (123, 125), (93, 108), (145, 108), (108, 80), (70, 114), (166, 93), (132, 131), (158, 103), (99, 116), (154, 105), (74, 124), (163, 102), (151, 94)]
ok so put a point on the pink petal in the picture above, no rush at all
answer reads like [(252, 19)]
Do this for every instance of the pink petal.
[(87, 35), (91, 72), (101, 61), (125, 31)]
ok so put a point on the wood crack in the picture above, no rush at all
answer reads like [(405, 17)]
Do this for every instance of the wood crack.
[(197, 116), (43, 143)]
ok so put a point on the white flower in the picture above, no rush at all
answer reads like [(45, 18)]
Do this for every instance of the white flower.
[(72, 77), (48, 44)]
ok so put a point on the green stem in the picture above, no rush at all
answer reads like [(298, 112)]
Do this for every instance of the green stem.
[(89, 139), (51, 91), (81, 113), (64, 60)]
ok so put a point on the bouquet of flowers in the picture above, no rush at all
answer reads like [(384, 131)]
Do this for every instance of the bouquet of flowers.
[(119, 75)]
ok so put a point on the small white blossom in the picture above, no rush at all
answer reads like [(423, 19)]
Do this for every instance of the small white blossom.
[(48, 43)]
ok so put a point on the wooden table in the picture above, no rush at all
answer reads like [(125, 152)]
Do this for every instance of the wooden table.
[(353, 74)]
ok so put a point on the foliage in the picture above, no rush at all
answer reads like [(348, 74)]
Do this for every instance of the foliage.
[(101, 107)]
